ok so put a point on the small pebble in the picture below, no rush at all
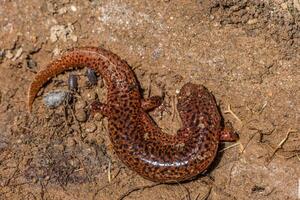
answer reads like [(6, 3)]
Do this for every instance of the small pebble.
[(284, 6), (89, 95), (59, 147), (71, 142), (79, 105), (62, 10), (3, 145), (2, 55), (81, 115), (31, 63), (98, 117), (100, 140), (156, 54), (34, 180), (297, 4), (18, 54), (252, 21), (75, 127), (56, 51), (54, 99), (73, 8), (8, 54), (90, 127)]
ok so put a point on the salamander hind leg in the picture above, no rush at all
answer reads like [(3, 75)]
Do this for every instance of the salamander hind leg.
[(151, 103), (98, 107)]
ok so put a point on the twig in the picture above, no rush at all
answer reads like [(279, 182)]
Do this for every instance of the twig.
[(43, 190), (77, 123), (246, 145), (188, 194), (198, 195), (174, 107), (261, 134), (32, 195), (205, 197), (279, 146), (149, 86), (232, 113), (12, 176), (231, 146), (103, 187), (263, 107), (78, 170), (26, 128), (118, 172), (136, 66), (109, 172), (230, 173), (136, 189)]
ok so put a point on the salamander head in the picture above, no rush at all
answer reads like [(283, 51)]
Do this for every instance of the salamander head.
[(188, 93)]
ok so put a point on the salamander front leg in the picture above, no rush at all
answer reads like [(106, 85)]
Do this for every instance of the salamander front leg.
[(228, 134), (151, 103)]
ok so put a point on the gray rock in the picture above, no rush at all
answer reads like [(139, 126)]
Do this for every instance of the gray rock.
[(55, 98)]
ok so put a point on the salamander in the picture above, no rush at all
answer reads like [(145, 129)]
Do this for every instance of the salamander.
[(136, 139)]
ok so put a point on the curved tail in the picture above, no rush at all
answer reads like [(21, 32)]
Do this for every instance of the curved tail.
[(102, 61)]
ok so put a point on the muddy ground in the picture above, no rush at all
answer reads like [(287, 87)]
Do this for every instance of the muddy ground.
[(246, 52)]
